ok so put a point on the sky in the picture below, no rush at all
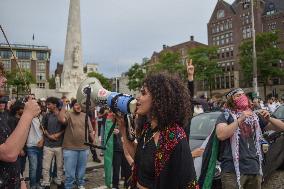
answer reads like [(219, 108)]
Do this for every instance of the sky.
[(115, 33)]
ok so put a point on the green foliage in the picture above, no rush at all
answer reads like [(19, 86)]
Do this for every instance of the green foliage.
[(268, 57), (51, 82), (170, 62), (205, 63), (21, 82), (135, 75), (104, 81), (16, 79)]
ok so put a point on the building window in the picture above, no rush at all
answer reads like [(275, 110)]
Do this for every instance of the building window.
[(272, 26), (246, 4), (232, 66), (6, 64), (232, 81), (41, 55), (227, 82), (40, 77), (25, 64), (230, 24), (247, 33), (220, 14), (24, 54), (41, 85), (5, 54), (41, 67), (271, 9)]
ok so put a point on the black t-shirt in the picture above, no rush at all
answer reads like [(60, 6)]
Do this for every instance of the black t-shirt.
[(145, 160), (9, 172), (248, 162), (52, 125)]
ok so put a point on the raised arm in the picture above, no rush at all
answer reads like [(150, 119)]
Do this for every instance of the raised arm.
[(273, 123), (10, 150), (190, 77), (225, 131), (62, 113)]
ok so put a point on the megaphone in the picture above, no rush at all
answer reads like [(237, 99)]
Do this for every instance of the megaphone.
[(118, 102)]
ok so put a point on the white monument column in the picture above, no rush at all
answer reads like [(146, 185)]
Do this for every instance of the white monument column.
[(72, 74)]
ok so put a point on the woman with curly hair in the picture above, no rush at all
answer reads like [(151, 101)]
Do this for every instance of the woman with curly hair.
[(162, 157)]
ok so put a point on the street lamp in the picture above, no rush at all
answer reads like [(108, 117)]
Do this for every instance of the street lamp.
[(254, 60)]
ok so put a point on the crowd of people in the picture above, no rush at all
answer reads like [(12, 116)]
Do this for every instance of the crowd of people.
[(51, 134)]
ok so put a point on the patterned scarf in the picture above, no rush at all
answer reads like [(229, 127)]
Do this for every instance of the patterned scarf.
[(253, 123)]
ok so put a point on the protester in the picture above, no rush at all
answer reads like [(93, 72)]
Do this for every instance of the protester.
[(93, 118), (53, 138), (35, 150), (165, 101), (117, 158), (102, 114), (75, 153), (239, 131), (11, 144), (272, 106)]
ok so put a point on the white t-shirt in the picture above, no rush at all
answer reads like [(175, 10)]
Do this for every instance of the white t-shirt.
[(35, 134)]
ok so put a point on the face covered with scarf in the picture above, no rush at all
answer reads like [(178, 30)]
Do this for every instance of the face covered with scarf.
[(238, 99), (241, 101)]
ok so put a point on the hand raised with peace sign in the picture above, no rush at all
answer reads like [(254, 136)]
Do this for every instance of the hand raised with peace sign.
[(190, 70)]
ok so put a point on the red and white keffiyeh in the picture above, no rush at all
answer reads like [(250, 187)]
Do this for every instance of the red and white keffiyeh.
[(253, 123)]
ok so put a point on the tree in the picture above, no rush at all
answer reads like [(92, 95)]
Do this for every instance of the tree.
[(170, 62), (268, 58), (135, 75), (51, 82), (104, 81), (205, 63), (21, 82)]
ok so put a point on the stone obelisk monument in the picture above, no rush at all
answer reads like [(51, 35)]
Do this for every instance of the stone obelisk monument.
[(72, 74)]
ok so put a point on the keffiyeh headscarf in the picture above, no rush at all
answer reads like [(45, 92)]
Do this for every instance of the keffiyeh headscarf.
[(233, 91), (253, 123)]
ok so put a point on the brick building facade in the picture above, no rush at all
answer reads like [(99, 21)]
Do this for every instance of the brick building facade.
[(182, 49), (231, 24)]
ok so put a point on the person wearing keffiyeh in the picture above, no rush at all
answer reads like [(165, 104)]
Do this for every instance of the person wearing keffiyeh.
[(236, 143)]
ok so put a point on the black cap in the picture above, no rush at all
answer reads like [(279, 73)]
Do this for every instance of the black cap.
[(3, 100)]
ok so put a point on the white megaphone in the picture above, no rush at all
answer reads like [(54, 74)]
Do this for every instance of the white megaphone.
[(123, 103)]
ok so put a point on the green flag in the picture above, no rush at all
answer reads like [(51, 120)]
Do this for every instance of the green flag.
[(108, 154)]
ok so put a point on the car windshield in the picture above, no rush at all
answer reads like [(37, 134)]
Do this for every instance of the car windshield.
[(202, 125), (279, 113)]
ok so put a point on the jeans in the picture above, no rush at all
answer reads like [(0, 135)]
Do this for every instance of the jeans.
[(75, 162), (35, 164)]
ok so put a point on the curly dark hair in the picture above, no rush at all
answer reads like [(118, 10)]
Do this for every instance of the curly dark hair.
[(170, 99)]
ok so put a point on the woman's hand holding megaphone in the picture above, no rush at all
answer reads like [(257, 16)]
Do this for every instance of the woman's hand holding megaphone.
[(120, 123)]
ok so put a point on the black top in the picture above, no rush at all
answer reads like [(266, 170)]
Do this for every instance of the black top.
[(178, 171), (52, 125), (9, 172), (249, 163), (190, 86), (145, 160)]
